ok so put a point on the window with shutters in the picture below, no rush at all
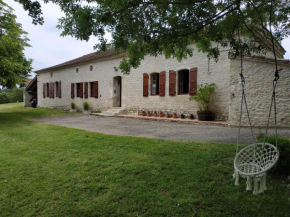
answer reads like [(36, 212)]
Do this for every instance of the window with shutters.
[(183, 82), (155, 84)]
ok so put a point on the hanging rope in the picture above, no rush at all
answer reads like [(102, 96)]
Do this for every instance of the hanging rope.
[(275, 81), (243, 82)]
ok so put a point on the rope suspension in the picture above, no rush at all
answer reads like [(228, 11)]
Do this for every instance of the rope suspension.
[(253, 161)]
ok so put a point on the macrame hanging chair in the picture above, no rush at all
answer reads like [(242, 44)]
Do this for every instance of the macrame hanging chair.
[(253, 161)]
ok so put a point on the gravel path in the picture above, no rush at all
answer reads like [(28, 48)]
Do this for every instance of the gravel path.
[(154, 129)]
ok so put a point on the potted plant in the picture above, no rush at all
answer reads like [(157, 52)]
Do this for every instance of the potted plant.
[(204, 97), (161, 114), (73, 107), (143, 113), (149, 114), (182, 116), (155, 113), (175, 115), (86, 107), (191, 116), (167, 114)]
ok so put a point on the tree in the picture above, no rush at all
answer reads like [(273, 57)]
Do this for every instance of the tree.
[(142, 27), (14, 67)]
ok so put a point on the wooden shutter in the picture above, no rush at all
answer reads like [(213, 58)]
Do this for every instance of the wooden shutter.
[(52, 90), (172, 83), (96, 89), (86, 90), (56, 89), (192, 81), (81, 93), (162, 78), (72, 93), (43, 91), (59, 89), (145, 84)]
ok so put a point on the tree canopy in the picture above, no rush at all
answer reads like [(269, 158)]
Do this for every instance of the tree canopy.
[(142, 27), (14, 66)]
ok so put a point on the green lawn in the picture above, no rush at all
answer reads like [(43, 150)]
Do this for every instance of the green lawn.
[(56, 171)]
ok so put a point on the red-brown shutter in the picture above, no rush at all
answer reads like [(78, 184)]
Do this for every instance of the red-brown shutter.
[(192, 81), (43, 91), (72, 93), (47, 90), (86, 90), (172, 83), (81, 93), (162, 78), (145, 84), (52, 90), (59, 89), (56, 89), (96, 89)]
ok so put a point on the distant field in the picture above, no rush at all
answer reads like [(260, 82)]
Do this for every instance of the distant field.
[(56, 171)]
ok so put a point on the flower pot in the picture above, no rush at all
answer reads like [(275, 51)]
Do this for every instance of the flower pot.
[(149, 114), (175, 115), (205, 115), (167, 115), (182, 116), (161, 114), (191, 117), (143, 113), (155, 114)]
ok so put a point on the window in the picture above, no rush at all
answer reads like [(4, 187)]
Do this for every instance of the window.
[(77, 70), (47, 89), (56, 89), (80, 90), (92, 89), (183, 82), (155, 84), (91, 68)]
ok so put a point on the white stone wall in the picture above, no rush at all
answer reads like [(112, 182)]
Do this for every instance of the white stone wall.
[(259, 77), (132, 85)]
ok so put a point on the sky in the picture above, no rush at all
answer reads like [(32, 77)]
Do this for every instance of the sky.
[(49, 48)]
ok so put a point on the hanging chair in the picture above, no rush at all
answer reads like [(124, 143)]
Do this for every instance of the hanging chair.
[(253, 161)]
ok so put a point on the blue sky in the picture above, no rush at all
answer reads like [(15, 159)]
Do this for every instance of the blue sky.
[(49, 49)]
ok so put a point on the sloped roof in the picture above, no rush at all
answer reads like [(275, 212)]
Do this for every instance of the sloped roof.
[(86, 58), (266, 59)]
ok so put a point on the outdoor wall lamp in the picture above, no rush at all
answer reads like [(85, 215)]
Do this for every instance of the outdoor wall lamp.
[(115, 68)]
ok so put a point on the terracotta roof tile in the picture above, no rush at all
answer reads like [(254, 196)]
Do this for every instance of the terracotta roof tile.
[(85, 58)]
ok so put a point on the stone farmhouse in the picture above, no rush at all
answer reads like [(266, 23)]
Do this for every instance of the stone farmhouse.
[(165, 84)]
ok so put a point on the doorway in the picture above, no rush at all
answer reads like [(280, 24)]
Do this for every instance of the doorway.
[(117, 91)]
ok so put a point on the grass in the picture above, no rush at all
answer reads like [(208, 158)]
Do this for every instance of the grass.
[(56, 171)]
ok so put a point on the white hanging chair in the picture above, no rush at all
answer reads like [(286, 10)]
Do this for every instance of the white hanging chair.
[(252, 162)]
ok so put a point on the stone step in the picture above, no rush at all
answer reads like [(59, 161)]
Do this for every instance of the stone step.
[(109, 112)]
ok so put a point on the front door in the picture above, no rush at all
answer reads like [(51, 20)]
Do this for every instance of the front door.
[(117, 91)]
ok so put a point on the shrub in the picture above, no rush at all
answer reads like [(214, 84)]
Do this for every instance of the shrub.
[(86, 106), (4, 98), (283, 165), (73, 105), (203, 96)]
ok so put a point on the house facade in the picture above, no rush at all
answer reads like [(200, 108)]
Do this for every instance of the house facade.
[(165, 84)]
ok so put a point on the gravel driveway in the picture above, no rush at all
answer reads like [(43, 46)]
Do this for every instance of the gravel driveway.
[(154, 129)]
